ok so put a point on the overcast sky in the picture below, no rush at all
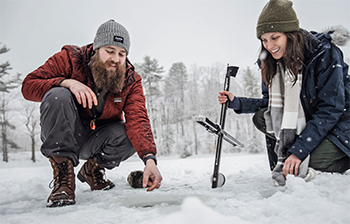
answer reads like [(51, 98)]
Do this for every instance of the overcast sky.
[(201, 32)]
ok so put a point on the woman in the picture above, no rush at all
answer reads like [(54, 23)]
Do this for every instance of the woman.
[(304, 111)]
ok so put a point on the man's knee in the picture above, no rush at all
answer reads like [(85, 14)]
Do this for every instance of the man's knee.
[(57, 95)]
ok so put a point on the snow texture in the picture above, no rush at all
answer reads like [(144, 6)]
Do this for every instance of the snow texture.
[(186, 196)]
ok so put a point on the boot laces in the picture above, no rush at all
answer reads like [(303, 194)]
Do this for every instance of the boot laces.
[(62, 176)]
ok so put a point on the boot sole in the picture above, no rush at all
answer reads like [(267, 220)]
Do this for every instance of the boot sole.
[(82, 179), (60, 203)]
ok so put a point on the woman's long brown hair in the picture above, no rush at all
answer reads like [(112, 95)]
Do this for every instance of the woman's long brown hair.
[(292, 59)]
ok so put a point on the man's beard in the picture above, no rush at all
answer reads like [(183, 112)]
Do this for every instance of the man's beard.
[(112, 81)]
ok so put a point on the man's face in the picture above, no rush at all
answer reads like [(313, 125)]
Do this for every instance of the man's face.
[(112, 54), (108, 68)]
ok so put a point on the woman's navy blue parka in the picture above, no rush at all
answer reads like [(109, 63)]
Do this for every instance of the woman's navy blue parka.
[(325, 93)]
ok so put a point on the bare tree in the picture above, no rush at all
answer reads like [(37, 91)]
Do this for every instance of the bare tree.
[(194, 100), (32, 123), (212, 83)]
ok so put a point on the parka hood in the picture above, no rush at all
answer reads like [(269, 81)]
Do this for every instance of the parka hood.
[(340, 36), (315, 42)]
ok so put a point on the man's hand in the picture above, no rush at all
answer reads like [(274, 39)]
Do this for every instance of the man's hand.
[(291, 165), (151, 171), (84, 95)]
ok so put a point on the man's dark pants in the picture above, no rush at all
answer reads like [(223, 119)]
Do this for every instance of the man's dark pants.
[(325, 157), (64, 133)]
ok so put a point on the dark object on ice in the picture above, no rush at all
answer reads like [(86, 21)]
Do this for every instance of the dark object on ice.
[(135, 179)]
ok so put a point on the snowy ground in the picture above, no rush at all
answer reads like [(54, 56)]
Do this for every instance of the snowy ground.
[(185, 196)]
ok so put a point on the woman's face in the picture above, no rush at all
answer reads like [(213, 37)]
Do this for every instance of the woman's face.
[(275, 43)]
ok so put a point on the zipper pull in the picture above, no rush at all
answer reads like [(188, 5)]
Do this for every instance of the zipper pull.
[(92, 124)]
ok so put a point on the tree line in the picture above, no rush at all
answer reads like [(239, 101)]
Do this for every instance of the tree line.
[(173, 98), (18, 118)]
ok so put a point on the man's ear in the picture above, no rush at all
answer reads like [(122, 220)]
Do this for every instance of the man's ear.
[(95, 51)]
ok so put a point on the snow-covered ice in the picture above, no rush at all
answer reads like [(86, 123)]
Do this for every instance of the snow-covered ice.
[(186, 196)]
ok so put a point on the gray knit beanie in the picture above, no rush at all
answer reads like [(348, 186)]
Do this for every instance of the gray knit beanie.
[(112, 33), (277, 16)]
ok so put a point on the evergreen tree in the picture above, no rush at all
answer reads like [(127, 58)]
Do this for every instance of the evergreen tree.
[(7, 83), (151, 72), (176, 84)]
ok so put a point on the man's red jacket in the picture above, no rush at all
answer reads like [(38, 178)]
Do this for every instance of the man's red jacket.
[(72, 63)]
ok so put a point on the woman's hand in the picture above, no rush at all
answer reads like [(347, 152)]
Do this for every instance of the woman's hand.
[(291, 165), (224, 95)]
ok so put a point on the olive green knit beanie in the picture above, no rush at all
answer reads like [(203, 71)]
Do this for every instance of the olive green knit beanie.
[(277, 16)]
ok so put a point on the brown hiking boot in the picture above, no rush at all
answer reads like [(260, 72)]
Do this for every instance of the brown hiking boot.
[(62, 193), (94, 175)]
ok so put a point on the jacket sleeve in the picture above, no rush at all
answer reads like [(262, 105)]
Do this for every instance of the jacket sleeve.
[(47, 76), (137, 124), (251, 105), (325, 93)]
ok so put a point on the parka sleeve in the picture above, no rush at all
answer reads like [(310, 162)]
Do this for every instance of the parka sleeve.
[(137, 124), (251, 105), (326, 99), (47, 76)]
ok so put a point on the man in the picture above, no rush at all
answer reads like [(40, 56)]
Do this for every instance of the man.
[(92, 108)]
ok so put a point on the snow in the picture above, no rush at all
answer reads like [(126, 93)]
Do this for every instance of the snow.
[(186, 196)]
